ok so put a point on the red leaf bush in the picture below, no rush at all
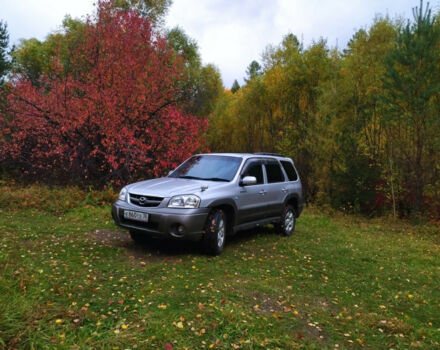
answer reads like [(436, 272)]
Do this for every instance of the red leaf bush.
[(106, 116)]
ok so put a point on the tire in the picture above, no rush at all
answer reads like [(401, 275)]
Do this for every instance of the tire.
[(215, 232), (286, 227), (138, 237)]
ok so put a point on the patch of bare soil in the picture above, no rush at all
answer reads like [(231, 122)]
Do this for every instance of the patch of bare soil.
[(152, 250)]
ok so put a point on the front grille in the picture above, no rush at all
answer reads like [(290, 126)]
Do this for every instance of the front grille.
[(145, 201)]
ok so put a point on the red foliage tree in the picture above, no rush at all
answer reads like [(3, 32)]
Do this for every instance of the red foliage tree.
[(111, 116)]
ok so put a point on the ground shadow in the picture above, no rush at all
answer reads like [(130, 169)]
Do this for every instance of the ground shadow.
[(167, 249), (150, 250), (247, 235)]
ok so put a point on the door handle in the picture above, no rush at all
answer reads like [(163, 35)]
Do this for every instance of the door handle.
[(262, 192), (284, 190)]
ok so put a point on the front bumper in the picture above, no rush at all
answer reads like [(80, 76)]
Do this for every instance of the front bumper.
[(163, 222)]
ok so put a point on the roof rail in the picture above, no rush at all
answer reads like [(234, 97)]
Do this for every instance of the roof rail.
[(269, 154)]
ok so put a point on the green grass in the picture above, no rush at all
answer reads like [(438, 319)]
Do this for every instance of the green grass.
[(343, 282)]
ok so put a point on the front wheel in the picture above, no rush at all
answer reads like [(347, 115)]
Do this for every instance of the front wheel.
[(215, 232), (288, 220)]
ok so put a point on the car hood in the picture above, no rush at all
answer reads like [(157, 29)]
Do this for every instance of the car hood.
[(169, 186)]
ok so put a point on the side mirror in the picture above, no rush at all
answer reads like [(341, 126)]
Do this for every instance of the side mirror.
[(248, 180), (170, 172)]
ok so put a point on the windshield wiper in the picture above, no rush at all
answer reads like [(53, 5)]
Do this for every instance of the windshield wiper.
[(215, 179), (203, 178), (190, 177)]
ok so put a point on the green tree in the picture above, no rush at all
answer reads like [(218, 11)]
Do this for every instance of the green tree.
[(32, 57), (4, 67), (282, 54), (351, 133), (4, 42), (209, 89), (235, 86), (253, 70), (411, 99), (187, 48), (202, 84), (153, 9)]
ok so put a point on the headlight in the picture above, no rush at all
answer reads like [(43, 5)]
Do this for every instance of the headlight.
[(123, 194), (184, 201)]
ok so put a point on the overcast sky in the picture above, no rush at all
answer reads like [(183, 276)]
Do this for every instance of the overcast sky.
[(230, 33)]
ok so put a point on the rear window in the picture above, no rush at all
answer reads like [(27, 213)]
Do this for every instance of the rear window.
[(290, 171), (274, 173)]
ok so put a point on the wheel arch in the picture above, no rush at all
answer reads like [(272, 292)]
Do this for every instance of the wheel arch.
[(293, 200), (229, 208)]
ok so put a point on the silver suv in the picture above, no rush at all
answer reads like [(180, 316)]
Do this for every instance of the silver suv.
[(211, 196)]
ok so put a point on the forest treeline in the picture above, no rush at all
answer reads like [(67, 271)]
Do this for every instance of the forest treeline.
[(118, 97), (362, 124)]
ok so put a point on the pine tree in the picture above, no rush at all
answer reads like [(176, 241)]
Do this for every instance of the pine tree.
[(412, 89), (253, 70), (4, 41), (235, 86)]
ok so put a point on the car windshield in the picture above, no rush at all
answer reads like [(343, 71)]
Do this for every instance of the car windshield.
[(208, 167)]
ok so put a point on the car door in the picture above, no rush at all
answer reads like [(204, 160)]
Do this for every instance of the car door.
[(252, 198), (275, 187)]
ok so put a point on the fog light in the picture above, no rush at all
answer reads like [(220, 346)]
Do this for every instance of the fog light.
[(180, 229)]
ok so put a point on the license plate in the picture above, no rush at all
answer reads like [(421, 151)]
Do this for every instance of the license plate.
[(135, 215)]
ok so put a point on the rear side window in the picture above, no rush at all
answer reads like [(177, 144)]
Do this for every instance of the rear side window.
[(290, 171), (274, 173), (255, 169)]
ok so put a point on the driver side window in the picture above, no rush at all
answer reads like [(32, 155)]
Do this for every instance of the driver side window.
[(255, 169)]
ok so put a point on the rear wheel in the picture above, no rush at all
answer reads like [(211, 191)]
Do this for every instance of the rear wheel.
[(215, 232), (288, 220)]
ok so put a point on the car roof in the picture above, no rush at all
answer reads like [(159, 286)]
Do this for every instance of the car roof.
[(248, 155)]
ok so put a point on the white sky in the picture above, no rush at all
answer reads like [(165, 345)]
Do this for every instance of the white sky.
[(230, 33)]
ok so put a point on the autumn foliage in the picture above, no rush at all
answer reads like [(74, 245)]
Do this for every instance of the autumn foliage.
[(362, 125), (108, 113)]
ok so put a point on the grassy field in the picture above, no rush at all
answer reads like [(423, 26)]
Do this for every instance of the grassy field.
[(73, 280)]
